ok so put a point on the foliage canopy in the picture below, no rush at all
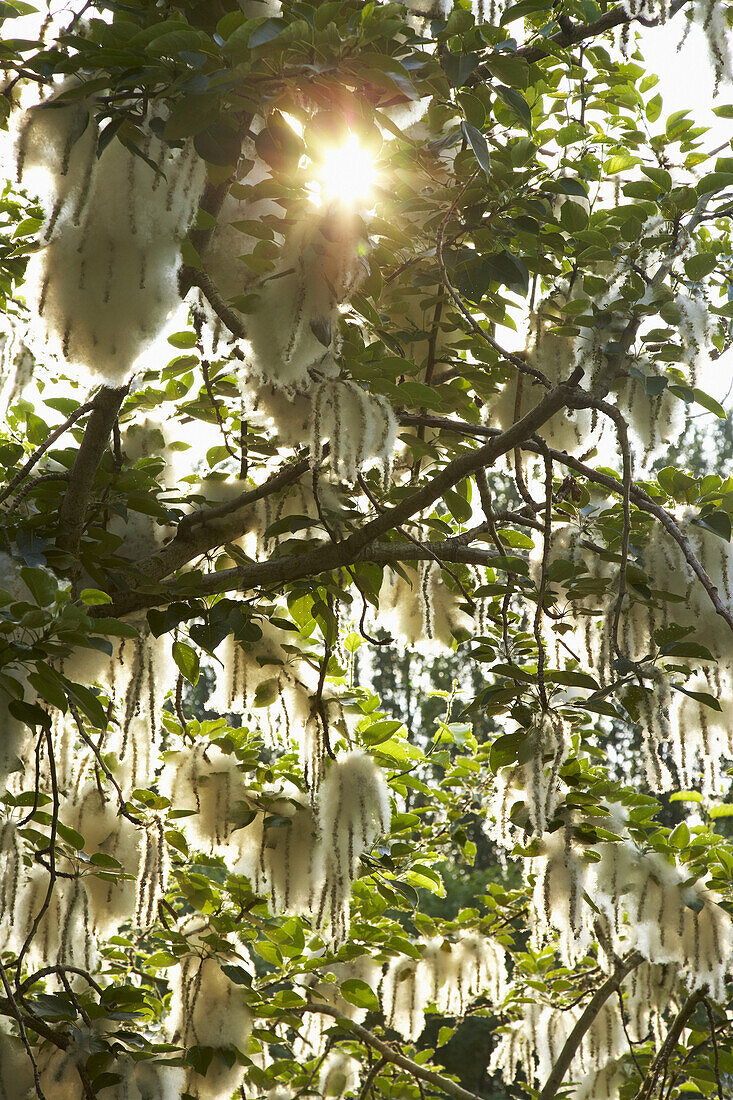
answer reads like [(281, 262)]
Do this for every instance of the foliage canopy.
[(262, 411)]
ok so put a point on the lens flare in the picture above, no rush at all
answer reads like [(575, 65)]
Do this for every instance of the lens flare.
[(347, 173)]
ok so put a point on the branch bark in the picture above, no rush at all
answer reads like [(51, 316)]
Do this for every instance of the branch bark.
[(443, 1084), (72, 513), (640, 498), (281, 570), (574, 34), (591, 1010), (660, 1062)]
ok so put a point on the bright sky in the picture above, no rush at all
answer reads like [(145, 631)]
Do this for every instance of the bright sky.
[(686, 79)]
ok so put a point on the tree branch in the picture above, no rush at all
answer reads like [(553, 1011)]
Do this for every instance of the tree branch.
[(40, 451), (443, 1084), (640, 498), (573, 35), (660, 1062), (189, 277), (281, 570), (611, 985), (72, 513)]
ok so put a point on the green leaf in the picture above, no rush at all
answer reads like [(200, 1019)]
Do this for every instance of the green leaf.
[(697, 267), (187, 660), (517, 105), (92, 597), (379, 732), (359, 993), (185, 339), (480, 146), (680, 836), (42, 584)]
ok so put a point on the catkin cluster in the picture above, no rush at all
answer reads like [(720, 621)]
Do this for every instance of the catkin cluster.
[(207, 1009), (534, 1041), (420, 608), (642, 902), (447, 975), (104, 281)]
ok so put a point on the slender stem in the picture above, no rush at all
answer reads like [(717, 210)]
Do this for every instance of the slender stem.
[(40, 451), (23, 1034)]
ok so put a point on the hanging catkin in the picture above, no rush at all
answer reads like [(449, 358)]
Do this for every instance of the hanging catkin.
[(353, 810), (339, 1075), (105, 280), (153, 876), (204, 779), (280, 854), (312, 1037), (208, 1009), (421, 610), (112, 898)]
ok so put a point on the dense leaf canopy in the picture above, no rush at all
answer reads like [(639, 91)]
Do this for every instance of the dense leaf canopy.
[(337, 336)]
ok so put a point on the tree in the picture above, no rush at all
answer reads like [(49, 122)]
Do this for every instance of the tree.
[(217, 844)]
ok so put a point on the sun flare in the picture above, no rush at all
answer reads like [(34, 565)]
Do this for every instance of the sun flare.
[(347, 173)]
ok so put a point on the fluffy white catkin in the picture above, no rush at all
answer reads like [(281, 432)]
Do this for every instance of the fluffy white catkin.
[(279, 852), (11, 875), (105, 280), (405, 993), (112, 898), (339, 1075), (294, 323), (204, 779), (208, 1009), (353, 810), (421, 610), (153, 875), (16, 1073), (312, 1038)]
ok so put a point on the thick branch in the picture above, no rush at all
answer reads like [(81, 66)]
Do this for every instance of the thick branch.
[(325, 558), (660, 1062), (430, 1076), (641, 499), (573, 35), (281, 570), (591, 1010), (72, 513), (189, 277)]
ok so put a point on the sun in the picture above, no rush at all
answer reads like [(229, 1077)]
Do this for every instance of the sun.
[(347, 173)]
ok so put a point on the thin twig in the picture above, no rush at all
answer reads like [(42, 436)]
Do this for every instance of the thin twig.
[(23, 493), (122, 806), (40, 451), (51, 856), (638, 497), (21, 1028), (714, 1038), (419, 1072), (509, 356)]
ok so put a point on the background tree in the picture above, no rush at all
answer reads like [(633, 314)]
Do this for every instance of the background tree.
[(217, 840)]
